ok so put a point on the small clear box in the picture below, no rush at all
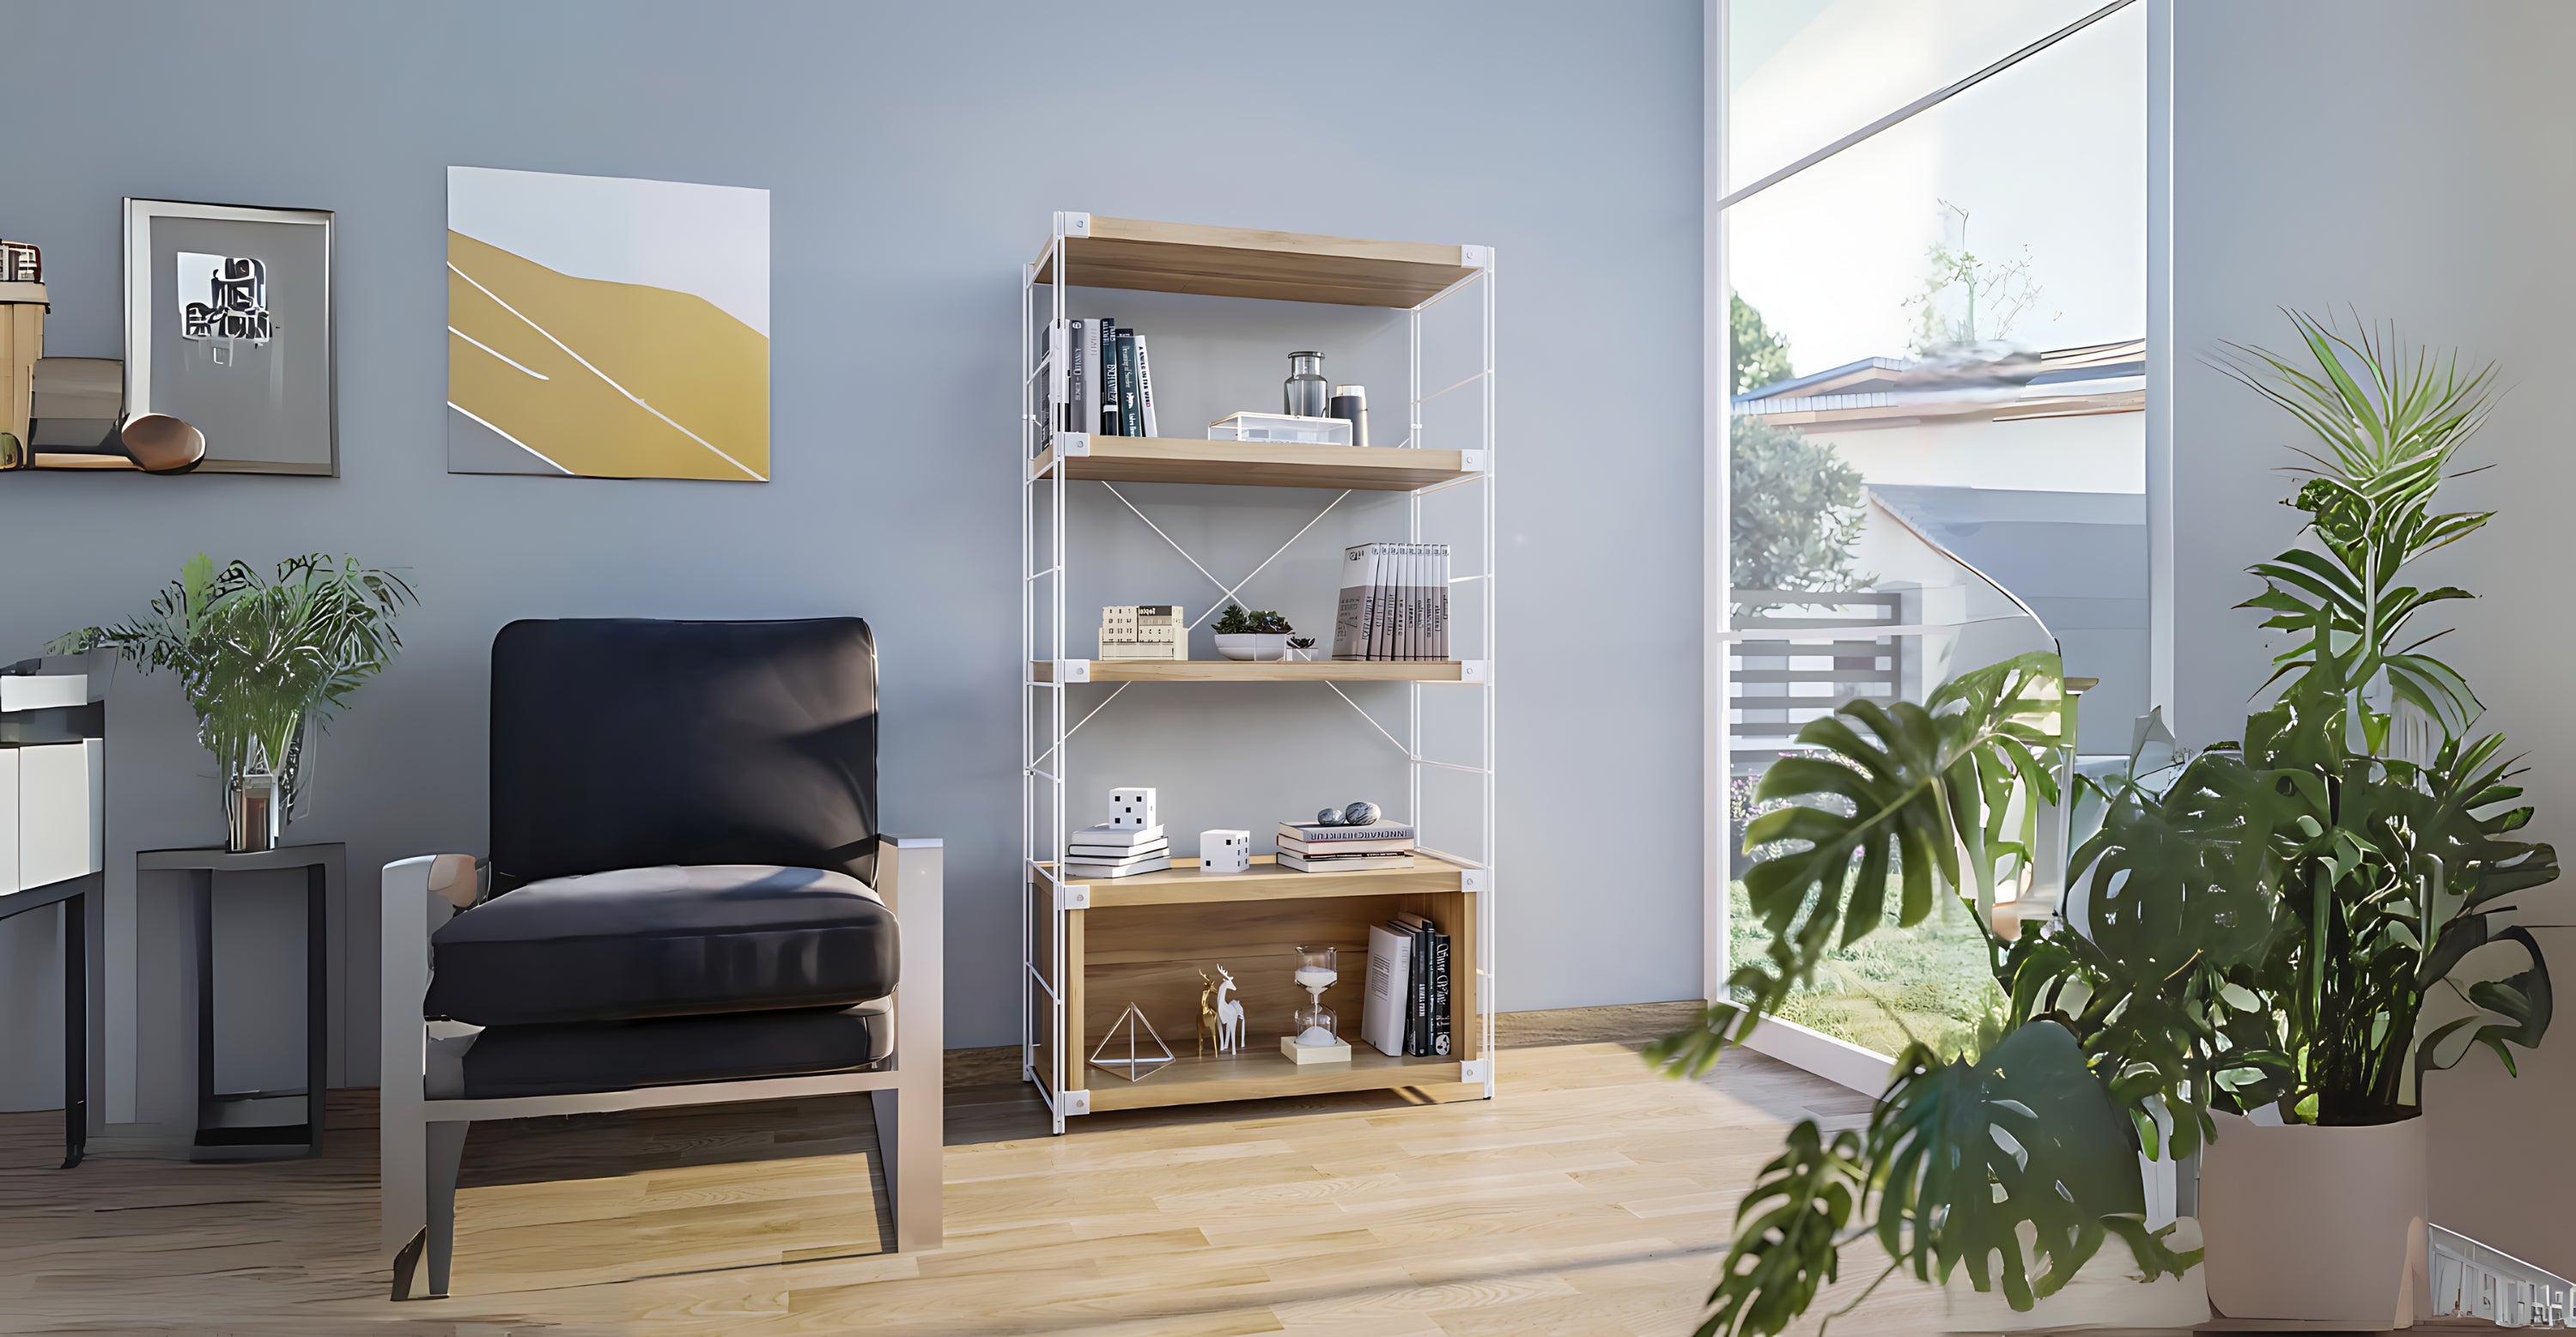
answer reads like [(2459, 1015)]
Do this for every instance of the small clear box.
[(1281, 427)]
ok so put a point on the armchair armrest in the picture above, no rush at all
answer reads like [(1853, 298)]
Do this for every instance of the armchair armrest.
[(420, 894), (911, 880)]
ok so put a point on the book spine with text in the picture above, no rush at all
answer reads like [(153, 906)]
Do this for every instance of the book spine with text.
[(1145, 389), (1131, 406), (1078, 377), (1417, 1037), (1108, 354), (1441, 1044)]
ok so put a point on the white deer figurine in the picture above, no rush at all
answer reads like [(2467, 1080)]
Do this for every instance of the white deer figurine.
[(1229, 1015)]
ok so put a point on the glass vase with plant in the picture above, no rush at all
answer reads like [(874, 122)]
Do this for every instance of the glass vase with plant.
[(2276, 927), (264, 658)]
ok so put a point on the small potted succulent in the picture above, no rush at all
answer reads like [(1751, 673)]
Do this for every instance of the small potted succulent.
[(1261, 635)]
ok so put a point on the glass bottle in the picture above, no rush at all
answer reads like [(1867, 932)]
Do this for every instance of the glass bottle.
[(1307, 393)]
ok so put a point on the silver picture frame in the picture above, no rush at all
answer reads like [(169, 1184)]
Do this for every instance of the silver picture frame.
[(231, 326)]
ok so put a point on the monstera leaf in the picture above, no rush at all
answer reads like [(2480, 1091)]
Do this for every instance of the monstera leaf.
[(1788, 1234), (2015, 1160), (1921, 792)]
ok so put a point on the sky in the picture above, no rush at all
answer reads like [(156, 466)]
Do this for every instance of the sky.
[(2048, 156)]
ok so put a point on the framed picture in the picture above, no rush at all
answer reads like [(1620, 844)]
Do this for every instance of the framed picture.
[(228, 327), (606, 327)]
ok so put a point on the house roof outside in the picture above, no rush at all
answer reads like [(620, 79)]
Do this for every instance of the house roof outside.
[(1982, 383)]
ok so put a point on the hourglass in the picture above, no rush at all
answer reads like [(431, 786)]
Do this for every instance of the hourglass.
[(1317, 1037)]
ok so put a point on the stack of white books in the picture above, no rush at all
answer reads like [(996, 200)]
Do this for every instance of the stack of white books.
[(1116, 851), (1310, 848)]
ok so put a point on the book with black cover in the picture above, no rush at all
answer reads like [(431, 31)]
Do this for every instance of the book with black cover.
[(1131, 403), (1417, 1030), (1440, 1041), (1107, 330)]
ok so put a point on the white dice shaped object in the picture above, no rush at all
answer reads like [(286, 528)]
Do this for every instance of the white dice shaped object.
[(1132, 808), (1225, 851)]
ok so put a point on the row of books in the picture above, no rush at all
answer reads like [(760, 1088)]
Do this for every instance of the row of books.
[(1111, 850), (1395, 602), (1109, 380), (1406, 1009), (1310, 848)]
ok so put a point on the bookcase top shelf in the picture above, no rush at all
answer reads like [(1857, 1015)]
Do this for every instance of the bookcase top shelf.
[(1251, 262), (1184, 884), (1175, 459), (1245, 670)]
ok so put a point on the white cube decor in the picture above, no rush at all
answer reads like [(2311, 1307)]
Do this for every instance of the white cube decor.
[(1225, 851), (1132, 807)]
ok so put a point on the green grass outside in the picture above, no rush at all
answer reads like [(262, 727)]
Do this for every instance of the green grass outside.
[(1931, 980)]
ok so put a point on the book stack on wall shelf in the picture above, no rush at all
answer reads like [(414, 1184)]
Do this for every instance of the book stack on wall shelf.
[(1111, 917)]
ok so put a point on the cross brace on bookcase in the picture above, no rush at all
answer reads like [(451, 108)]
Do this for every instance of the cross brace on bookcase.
[(1160, 919)]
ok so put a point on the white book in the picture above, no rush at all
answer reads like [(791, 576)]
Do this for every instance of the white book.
[(1130, 868), (1344, 863), (1144, 388), (1114, 853), (1122, 837), (1388, 995)]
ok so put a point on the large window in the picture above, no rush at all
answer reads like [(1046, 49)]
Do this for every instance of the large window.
[(1937, 441)]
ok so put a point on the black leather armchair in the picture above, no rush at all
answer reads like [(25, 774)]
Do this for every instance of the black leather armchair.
[(688, 901)]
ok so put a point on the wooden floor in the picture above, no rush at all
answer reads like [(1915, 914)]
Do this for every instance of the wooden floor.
[(1590, 1198)]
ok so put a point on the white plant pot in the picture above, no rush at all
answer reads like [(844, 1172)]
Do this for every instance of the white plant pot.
[(2324, 1225), (1262, 646)]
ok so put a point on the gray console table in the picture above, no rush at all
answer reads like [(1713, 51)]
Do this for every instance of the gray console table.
[(244, 1125)]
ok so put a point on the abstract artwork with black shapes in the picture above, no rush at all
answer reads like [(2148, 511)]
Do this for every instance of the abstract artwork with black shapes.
[(236, 298)]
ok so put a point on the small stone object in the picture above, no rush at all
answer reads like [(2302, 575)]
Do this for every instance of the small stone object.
[(1329, 817), (1362, 813)]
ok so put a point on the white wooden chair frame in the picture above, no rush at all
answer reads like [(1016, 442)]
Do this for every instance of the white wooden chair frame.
[(423, 1140)]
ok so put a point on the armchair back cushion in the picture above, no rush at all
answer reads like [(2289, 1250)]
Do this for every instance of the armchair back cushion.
[(628, 743)]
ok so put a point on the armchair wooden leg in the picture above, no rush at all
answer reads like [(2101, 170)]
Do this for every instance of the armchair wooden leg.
[(446, 1156), (909, 1143)]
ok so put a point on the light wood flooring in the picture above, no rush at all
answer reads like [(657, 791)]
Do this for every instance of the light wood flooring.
[(1591, 1197)]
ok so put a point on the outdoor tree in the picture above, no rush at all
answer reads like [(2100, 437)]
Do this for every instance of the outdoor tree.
[(1797, 506), (1967, 298)]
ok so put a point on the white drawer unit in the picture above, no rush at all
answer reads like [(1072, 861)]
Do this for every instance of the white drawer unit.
[(53, 769), (56, 792)]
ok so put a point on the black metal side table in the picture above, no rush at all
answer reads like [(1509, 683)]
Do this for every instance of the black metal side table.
[(73, 895), (242, 1125)]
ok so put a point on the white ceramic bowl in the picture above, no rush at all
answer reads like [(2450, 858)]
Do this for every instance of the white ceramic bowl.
[(1263, 646)]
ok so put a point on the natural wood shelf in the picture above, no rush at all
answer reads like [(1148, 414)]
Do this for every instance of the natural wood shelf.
[(1247, 670), (1263, 1071), (1184, 884), (1250, 262), (1176, 459)]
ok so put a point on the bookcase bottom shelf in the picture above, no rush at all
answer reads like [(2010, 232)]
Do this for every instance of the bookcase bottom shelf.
[(1257, 1075)]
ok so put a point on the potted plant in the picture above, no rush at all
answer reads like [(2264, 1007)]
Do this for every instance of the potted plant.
[(263, 659), (2271, 931), (1261, 635)]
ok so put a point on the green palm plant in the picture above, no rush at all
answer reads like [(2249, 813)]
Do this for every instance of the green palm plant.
[(2274, 922), (262, 658)]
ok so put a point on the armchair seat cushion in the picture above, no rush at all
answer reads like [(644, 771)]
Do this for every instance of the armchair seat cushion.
[(503, 1061), (671, 941)]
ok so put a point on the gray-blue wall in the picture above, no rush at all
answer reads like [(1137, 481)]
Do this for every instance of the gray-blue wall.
[(913, 153)]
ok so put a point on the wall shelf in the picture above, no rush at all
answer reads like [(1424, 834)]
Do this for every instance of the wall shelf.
[(1166, 459), (1190, 1080), (1184, 884), (1250, 262), (1244, 670)]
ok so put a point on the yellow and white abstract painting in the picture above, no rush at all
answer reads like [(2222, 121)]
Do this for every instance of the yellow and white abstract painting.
[(606, 327)]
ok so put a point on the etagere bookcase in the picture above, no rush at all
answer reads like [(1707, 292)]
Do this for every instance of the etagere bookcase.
[(1091, 948)]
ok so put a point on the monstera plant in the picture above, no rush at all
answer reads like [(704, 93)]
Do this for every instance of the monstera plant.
[(2273, 926)]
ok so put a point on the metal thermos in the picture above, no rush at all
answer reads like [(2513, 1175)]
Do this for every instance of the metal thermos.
[(1307, 393), (1350, 403)]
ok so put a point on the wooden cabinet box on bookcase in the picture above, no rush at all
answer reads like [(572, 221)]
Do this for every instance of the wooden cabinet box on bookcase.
[(1094, 947)]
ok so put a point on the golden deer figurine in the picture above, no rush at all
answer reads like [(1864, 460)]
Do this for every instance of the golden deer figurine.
[(1207, 1033)]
